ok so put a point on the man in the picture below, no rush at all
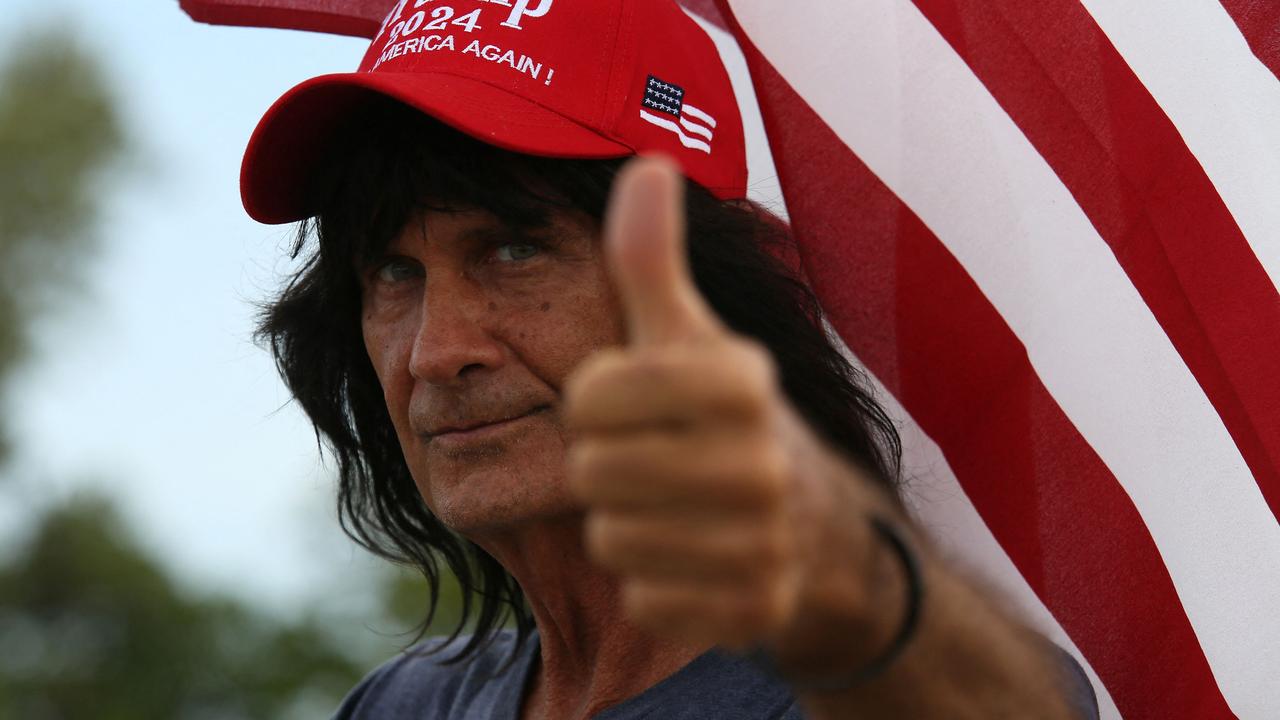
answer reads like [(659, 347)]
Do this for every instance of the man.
[(649, 455)]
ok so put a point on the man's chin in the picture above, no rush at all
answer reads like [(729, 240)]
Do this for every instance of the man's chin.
[(475, 516), (488, 487)]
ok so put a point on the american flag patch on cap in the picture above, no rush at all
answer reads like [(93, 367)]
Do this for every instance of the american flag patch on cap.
[(694, 128)]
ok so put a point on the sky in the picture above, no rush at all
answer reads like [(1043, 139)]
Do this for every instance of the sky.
[(149, 387)]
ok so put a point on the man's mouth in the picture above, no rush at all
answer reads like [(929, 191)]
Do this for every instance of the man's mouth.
[(476, 427)]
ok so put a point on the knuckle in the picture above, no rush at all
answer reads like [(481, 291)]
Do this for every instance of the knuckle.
[(582, 468), (750, 403), (656, 367), (752, 377), (767, 607), (603, 538), (638, 600), (734, 558), (776, 606), (773, 551), (743, 560), (592, 380), (756, 360), (767, 472), (756, 613)]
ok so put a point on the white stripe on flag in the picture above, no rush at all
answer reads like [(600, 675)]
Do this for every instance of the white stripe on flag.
[(667, 124), (940, 504), (699, 115), (943, 145), (696, 129), (762, 186), (1225, 103)]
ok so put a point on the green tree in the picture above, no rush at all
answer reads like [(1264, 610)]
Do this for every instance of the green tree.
[(93, 628), (59, 132), (91, 625)]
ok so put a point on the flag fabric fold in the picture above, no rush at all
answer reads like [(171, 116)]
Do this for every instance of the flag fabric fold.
[(1013, 225)]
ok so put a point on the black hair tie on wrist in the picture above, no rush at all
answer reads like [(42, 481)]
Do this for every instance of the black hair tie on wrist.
[(911, 620)]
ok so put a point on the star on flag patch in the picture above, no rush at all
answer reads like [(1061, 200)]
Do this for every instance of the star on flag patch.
[(664, 105)]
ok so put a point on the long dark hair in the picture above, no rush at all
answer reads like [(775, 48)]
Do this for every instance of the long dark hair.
[(399, 162)]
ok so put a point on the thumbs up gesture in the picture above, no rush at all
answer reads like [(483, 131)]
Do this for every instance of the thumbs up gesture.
[(686, 451)]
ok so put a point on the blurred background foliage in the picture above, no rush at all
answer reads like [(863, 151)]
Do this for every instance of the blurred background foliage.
[(59, 133), (91, 626)]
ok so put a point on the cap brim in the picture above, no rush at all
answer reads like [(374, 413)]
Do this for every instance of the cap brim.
[(295, 135)]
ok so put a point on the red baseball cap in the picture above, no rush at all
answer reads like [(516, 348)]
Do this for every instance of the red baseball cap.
[(556, 78)]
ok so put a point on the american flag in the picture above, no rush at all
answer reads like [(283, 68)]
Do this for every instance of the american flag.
[(1050, 231), (695, 128)]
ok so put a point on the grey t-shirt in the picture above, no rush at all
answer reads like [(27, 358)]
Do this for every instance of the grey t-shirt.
[(714, 686)]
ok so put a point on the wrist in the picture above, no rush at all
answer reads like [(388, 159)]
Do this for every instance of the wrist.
[(854, 621)]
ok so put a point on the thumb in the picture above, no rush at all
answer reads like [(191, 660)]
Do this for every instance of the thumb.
[(644, 241)]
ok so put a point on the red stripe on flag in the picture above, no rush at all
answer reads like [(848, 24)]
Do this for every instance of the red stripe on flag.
[(1259, 21), (910, 312), (1053, 70)]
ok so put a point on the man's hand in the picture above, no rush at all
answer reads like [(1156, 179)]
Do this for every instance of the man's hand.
[(686, 448), (729, 522)]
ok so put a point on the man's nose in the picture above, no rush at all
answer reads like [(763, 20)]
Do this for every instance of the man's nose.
[(454, 339)]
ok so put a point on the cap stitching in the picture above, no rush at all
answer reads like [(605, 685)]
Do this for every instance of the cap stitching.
[(602, 61)]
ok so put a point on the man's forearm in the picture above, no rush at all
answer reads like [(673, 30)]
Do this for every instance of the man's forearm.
[(966, 657)]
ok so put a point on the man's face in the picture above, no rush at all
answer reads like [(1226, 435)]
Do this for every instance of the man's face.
[(472, 329)]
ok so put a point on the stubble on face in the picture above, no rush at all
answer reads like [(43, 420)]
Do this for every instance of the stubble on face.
[(472, 356)]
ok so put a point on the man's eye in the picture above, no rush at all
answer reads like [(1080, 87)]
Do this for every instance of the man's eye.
[(515, 252), (397, 270)]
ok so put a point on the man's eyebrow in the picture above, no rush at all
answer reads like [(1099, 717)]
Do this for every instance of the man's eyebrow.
[(498, 231), (485, 231), (488, 232)]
